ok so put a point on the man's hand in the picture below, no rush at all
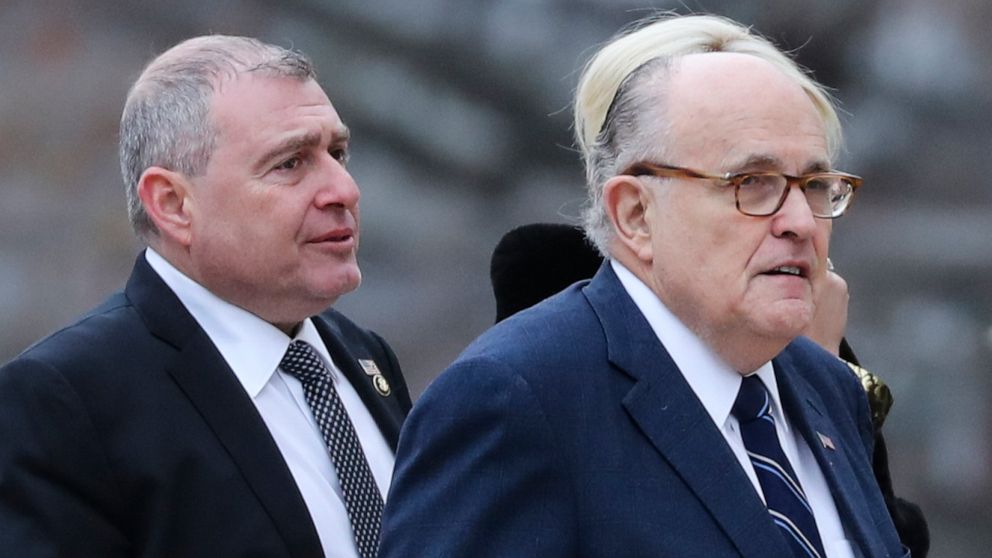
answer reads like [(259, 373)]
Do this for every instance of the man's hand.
[(830, 319)]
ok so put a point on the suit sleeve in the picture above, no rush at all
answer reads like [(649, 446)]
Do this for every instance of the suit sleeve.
[(56, 495), (476, 473)]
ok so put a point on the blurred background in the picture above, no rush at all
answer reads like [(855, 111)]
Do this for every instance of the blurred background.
[(461, 126)]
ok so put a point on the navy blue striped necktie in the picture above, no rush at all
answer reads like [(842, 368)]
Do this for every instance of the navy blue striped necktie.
[(784, 496)]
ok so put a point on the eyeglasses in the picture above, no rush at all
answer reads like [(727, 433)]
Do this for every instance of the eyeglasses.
[(760, 194)]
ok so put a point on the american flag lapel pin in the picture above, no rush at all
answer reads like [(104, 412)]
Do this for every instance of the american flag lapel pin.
[(826, 441), (369, 366)]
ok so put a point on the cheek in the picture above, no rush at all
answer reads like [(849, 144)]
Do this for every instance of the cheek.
[(731, 249), (731, 257), (272, 218)]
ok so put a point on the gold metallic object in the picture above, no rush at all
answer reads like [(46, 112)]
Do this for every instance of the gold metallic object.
[(381, 385), (879, 397)]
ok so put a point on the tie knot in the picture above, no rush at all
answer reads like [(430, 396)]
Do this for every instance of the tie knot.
[(752, 400), (302, 362)]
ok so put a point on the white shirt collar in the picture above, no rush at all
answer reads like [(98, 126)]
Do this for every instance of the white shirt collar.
[(713, 381), (252, 347)]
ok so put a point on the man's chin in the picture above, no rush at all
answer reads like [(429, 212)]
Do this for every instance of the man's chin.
[(787, 319), (341, 282)]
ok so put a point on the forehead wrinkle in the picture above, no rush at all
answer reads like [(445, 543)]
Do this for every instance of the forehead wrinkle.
[(306, 140), (293, 143), (754, 161)]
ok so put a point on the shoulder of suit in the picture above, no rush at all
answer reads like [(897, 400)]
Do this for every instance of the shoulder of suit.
[(553, 341), (804, 352), (822, 370), (879, 397), (807, 353), (106, 322)]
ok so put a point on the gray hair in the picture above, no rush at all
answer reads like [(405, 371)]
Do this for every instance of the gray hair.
[(616, 103), (166, 120)]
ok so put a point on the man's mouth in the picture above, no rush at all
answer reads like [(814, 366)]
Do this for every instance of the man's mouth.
[(338, 235), (791, 270), (786, 270)]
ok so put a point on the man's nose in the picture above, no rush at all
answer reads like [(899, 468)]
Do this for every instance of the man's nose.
[(336, 187), (795, 218)]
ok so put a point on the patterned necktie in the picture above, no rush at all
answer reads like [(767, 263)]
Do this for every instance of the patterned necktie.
[(784, 496), (361, 496)]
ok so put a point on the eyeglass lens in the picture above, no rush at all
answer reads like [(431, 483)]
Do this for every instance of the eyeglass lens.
[(761, 194)]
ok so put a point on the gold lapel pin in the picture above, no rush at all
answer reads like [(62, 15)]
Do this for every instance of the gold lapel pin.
[(379, 381), (381, 385)]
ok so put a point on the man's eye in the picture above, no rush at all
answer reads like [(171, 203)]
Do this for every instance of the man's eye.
[(820, 185), (760, 181), (340, 155), (748, 180), (756, 181), (289, 164)]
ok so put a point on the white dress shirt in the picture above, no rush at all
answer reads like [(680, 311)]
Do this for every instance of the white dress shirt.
[(716, 385), (253, 349)]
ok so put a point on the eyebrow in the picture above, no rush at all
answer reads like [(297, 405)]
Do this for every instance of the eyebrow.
[(340, 135), (762, 161)]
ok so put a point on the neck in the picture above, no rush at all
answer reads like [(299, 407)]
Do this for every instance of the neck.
[(290, 329), (741, 350), (278, 315), (744, 355)]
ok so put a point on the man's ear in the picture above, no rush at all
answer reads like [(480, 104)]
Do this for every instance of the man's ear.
[(166, 197), (628, 202)]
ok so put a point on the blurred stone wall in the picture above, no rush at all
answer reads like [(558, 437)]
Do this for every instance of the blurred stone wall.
[(459, 110)]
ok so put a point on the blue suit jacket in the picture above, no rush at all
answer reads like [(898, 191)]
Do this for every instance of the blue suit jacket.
[(126, 434), (567, 430)]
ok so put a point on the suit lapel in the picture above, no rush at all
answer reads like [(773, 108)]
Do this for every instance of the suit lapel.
[(806, 412), (674, 421), (203, 375), (383, 409)]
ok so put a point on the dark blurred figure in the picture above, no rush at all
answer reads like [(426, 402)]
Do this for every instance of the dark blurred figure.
[(533, 262)]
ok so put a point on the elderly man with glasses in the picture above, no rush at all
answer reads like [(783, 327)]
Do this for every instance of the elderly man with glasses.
[(669, 406)]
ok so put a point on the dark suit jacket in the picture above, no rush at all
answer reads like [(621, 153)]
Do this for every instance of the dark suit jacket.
[(567, 430), (126, 434)]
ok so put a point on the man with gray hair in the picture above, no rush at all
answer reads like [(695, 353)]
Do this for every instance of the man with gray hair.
[(216, 406), (669, 406)]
